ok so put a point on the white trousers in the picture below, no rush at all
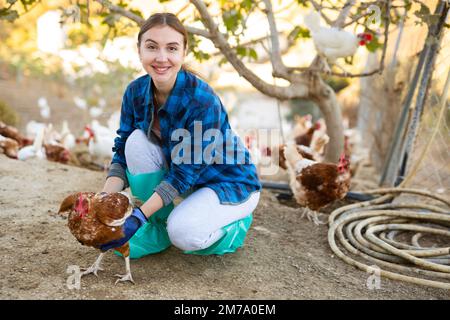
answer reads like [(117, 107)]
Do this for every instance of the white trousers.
[(197, 222)]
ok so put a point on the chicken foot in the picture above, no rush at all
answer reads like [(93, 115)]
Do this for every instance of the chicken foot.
[(312, 216), (95, 267), (125, 251)]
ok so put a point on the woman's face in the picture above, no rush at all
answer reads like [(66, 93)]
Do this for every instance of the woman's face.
[(162, 53)]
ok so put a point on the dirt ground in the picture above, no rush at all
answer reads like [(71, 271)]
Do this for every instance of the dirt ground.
[(284, 257)]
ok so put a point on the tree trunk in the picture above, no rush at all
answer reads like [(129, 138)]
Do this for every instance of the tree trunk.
[(325, 98)]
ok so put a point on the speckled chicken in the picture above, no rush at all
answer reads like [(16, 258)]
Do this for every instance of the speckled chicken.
[(316, 184), (96, 219)]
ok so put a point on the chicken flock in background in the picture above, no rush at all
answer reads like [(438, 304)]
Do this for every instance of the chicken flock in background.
[(313, 182), (92, 149), (95, 219), (333, 43)]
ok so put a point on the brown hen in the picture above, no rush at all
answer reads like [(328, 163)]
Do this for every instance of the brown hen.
[(12, 133), (96, 219), (56, 153), (9, 147), (316, 184)]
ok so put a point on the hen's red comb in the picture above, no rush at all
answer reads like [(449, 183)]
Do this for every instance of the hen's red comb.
[(79, 206), (90, 131)]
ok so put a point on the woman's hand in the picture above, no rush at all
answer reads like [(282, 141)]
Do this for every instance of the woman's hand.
[(136, 220)]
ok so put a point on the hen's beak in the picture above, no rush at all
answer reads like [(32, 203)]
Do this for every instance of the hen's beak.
[(67, 204)]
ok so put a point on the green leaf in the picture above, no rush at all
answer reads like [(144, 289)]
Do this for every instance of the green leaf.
[(252, 54), (8, 15), (299, 32), (247, 52), (303, 3), (26, 3), (122, 4), (222, 61), (408, 5), (231, 19), (201, 56), (246, 4), (137, 12), (241, 51), (374, 45)]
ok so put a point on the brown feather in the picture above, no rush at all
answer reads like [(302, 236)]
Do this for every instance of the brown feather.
[(12, 133), (57, 153), (111, 208), (87, 228), (322, 184), (282, 157), (306, 138), (10, 147), (124, 250)]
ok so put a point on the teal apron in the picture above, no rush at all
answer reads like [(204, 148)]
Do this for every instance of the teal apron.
[(153, 237)]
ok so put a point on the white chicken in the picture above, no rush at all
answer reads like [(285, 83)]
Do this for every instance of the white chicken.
[(33, 128), (95, 112), (44, 108), (67, 138), (333, 43), (80, 103), (101, 140), (35, 150)]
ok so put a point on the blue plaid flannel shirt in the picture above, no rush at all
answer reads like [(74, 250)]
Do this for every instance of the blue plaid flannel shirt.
[(231, 175)]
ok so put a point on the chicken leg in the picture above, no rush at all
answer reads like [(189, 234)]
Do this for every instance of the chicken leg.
[(312, 216), (95, 267), (125, 251)]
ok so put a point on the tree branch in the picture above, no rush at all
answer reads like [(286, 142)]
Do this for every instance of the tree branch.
[(337, 74), (279, 69), (318, 8), (345, 11), (123, 12), (139, 21), (297, 89), (387, 21)]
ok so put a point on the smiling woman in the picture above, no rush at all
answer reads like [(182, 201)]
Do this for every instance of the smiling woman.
[(219, 197), (162, 48)]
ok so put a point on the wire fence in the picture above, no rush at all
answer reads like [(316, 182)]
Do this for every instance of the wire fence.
[(433, 171)]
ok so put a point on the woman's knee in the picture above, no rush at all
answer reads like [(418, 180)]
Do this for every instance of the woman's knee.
[(183, 236), (136, 140), (142, 156)]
